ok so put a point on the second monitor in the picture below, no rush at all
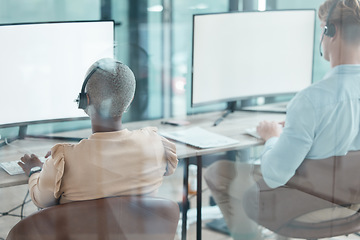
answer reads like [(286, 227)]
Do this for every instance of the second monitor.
[(240, 55)]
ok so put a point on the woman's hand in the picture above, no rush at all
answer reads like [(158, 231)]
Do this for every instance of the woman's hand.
[(29, 161)]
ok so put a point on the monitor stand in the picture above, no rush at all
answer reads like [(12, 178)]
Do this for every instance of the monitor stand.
[(22, 135), (230, 109), (277, 107)]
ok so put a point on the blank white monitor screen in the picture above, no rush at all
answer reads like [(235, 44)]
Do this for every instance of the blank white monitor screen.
[(43, 66), (244, 54)]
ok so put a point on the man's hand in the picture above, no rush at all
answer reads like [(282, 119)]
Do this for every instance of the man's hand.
[(28, 162), (268, 130)]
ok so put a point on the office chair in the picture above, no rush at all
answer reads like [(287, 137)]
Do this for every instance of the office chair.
[(328, 188), (120, 218)]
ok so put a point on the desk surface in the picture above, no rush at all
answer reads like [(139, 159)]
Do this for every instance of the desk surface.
[(232, 126)]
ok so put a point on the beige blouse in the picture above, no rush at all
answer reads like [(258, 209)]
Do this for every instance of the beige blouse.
[(107, 164)]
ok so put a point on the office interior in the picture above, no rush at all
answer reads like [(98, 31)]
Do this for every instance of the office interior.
[(154, 38)]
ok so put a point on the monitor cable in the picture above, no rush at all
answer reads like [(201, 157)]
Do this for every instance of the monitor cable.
[(20, 149)]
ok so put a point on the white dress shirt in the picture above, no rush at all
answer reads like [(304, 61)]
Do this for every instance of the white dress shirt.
[(321, 121)]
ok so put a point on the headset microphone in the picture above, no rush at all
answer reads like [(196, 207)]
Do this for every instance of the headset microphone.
[(82, 99), (322, 38)]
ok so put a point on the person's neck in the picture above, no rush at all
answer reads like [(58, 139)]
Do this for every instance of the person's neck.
[(346, 55), (99, 124)]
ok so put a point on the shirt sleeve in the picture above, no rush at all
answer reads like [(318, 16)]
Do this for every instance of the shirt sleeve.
[(283, 155), (170, 155), (44, 186)]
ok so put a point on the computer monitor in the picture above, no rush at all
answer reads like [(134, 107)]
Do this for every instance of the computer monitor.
[(43, 66), (239, 55)]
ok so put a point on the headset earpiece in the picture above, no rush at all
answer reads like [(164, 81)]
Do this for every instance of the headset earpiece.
[(82, 101), (83, 98), (330, 30)]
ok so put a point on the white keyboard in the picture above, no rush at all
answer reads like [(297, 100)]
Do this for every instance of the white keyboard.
[(199, 137), (252, 132), (13, 168)]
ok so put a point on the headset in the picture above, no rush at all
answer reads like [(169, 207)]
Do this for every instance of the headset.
[(83, 99), (329, 29)]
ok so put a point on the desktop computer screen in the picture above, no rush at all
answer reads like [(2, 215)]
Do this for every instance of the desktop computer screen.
[(245, 54), (43, 66)]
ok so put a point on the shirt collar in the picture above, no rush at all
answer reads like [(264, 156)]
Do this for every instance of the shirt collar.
[(106, 135)]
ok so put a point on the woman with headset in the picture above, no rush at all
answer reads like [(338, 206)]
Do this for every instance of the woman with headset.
[(113, 161)]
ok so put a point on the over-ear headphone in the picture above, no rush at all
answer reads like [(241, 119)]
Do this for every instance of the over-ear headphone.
[(82, 99), (329, 29)]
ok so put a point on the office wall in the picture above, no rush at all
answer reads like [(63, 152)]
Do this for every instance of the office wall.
[(16, 11)]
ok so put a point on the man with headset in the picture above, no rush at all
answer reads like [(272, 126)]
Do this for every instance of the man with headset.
[(113, 161), (321, 121)]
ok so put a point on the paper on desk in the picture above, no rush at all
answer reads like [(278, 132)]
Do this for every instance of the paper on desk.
[(199, 137)]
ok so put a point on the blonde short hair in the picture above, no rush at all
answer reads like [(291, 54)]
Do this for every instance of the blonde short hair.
[(346, 15), (110, 89)]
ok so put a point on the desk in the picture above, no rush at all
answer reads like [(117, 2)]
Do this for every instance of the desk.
[(233, 126)]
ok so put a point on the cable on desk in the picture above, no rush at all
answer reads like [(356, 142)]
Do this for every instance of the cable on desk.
[(20, 149)]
